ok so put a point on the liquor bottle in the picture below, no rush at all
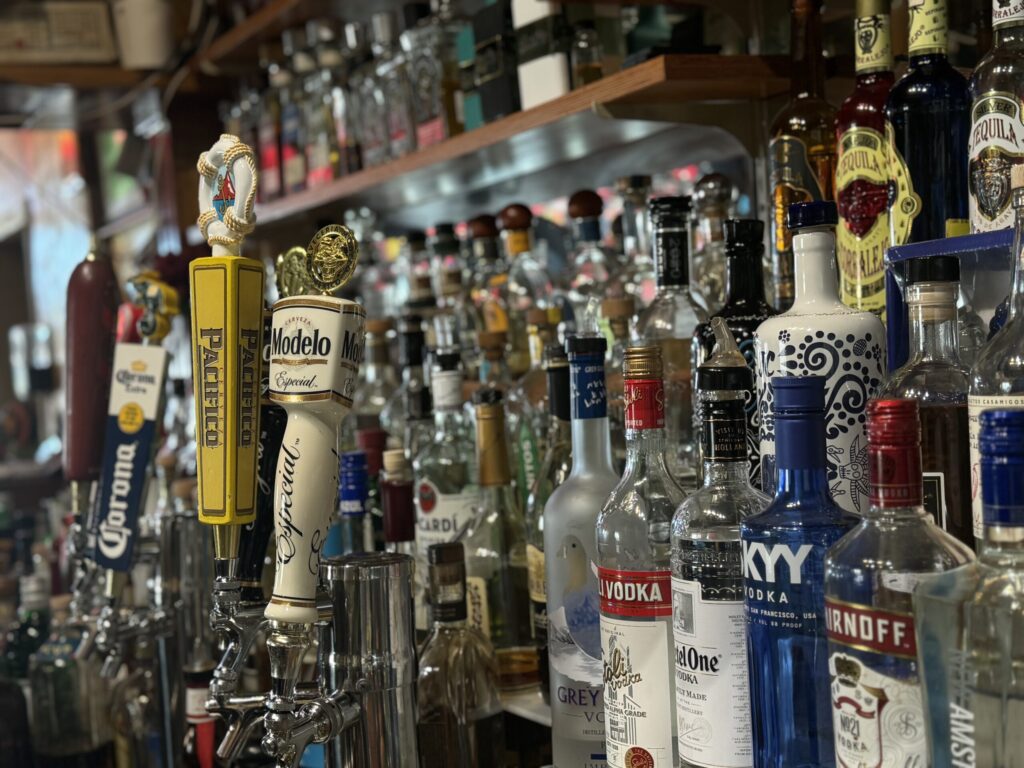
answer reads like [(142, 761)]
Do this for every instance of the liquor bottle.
[(200, 744), (378, 381), (294, 135), (869, 579), (966, 618), (670, 321), (633, 551), (350, 532), (618, 314), (373, 442), (712, 196), (497, 591), (938, 381), (927, 124), (268, 130), (344, 103), (322, 151), (997, 378), (494, 372), (445, 253), (570, 518), (802, 149), (489, 283), (419, 422), (997, 125), (709, 627), (396, 490), (554, 469), (444, 472), (24, 636), (391, 71), (744, 310), (457, 322), (784, 587), (412, 349), (637, 275), (590, 273), (821, 336), (370, 95), (459, 716), (862, 167)]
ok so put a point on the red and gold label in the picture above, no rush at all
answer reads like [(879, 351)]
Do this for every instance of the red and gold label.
[(870, 629), (862, 196), (635, 594), (905, 202), (644, 400)]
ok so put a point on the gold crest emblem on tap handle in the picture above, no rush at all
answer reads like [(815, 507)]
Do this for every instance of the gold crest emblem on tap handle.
[(227, 330)]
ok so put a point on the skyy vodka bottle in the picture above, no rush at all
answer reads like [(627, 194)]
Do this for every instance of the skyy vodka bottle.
[(570, 519)]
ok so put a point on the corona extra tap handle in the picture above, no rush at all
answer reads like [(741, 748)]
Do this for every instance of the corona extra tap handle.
[(92, 302), (227, 327), (315, 350)]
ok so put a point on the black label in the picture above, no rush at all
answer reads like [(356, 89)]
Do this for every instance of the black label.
[(671, 256), (724, 433), (541, 38)]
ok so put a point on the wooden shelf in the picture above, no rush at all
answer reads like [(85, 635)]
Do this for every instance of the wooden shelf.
[(81, 76), (562, 130)]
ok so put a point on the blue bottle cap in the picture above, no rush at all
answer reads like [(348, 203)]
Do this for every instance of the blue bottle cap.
[(819, 213), (798, 395), (1002, 468)]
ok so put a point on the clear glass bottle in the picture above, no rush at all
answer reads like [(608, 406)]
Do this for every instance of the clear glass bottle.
[(497, 591), (712, 197), (870, 575), (350, 533), (490, 273), (412, 349), (30, 630), (445, 254), (322, 152), (670, 322), (371, 96), (784, 587), (633, 551), (344, 90), (997, 378), (709, 626), (391, 68), (637, 275), (279, 81), (938, 381), (554, 469), (457, 322), (590, 272), (570, 519), (969, 620), (460, 722), (586, 55), (444, 471), (997, 125), (618, 315), (294, 131), (494, 372), (378, 381)]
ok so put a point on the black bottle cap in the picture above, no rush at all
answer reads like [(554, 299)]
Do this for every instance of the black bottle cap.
[(555, 355), (487, 396), (446, 553), (933, 269), (445, 228), (746, 233), (711, 378), (664, 210), (585, 345), (819, 213), (416, 237), (412, 342), (447, 361)]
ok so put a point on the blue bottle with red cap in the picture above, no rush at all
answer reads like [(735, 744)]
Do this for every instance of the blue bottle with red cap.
[(783, 551)]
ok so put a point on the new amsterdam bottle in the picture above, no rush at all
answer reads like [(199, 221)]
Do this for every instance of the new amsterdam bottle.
[(570, 519), (633, 540), (709, 626), (870, 577), (784, 586)]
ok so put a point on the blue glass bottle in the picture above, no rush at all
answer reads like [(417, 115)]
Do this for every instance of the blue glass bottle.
[(784, 592), (349, 532)]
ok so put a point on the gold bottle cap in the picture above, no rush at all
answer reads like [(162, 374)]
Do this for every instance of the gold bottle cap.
[(642, 363)]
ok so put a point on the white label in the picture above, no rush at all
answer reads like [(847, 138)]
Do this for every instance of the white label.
[(975, 405), (1005, 12), (877, 720), (195, 706), (995, 145), (712, 690), (440, 516), (447, 389), (637, 692), (478, 612)]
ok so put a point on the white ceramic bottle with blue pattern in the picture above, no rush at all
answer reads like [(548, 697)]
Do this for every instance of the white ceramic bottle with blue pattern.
[(821, 336)]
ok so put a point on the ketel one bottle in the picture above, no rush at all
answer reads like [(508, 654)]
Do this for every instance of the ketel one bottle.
[(633, 568)]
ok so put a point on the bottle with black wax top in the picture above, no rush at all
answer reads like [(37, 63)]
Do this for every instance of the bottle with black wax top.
[(927, 126), (744, 310)]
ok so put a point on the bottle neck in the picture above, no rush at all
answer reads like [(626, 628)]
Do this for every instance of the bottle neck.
[(672, 256), (1009, 33), (587, 231), (591, 441), (724, 440), (744, 278), (894, 475), (591, 447), (934, 334), (492, 446), (800, 457), (814, 265), (1016, 306), (873, 47), (808, 65)]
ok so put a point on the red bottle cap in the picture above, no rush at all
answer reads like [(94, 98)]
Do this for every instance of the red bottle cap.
[(894, 453)]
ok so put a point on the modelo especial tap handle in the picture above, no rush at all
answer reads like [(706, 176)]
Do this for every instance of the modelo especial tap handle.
[(227, 326), (92, 302), (315, 349)]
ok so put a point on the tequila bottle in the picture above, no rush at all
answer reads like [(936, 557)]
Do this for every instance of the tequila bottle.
[(633, 548), (391, 72), (870, 576), (712, 197), (489, 283), (997, 125), (554, 470), (637, 274), (409, 396), (460, 723), (590, 273)]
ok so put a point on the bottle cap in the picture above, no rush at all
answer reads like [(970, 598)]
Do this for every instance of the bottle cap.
[(447, 553), (893, 422), (743, 234), (585, 204), (894, 453), (483, 226), (818, 213), (373, 442), (619, 307), (872, 8), (515, 217), (798, 395), (933, 269), (487, 396), (642, 363), (726, 369), (585, 345), (667, 210), (447, 360), (713, 189), (412, 342), (395, 461)]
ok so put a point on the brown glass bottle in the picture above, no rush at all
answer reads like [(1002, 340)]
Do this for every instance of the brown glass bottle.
[(802, 148)]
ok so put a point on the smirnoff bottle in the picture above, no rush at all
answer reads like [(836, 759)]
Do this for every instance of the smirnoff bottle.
[(570, 518), (784, 588), (633, 567), (870, 577)]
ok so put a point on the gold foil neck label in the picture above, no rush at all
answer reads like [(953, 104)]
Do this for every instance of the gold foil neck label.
[(906, 203), (928, 27), (331, 258), (873, 43)]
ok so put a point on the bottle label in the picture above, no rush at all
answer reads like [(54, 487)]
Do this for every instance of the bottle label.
[(712, 690), (446, 388), (723, 439), (873, 43), (478, 612), (975, 405), (430, 132), (636, 654), (878, 718), (644, 400), (319, 169), (928, 26), (535, 573), (862, 197), (793, 180), (589, 399), (270, 160), (1007, 12), (905, 203), (195, 705), (895, 476), (778, 585), (672, 256), (996, 145), (935, 496), (440, 516), (528, 458)]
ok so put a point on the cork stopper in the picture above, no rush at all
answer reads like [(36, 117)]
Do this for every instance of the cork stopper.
[(395, 461), (585, 204), (1017, 176), (515, 216), (379, 326), (492, 344), (642, 363), (618, 308), (451, 282), (483, 226)]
